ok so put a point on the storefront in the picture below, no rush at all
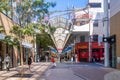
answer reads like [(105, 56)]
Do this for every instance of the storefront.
[(27, 51), (112, 56), (82, 51), (10, 52), (97, 52)]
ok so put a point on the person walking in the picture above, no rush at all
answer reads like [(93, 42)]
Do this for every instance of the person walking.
[(46, 58), (76, 58), (29, 62), (71, 59), (7, 61), (53, 61)]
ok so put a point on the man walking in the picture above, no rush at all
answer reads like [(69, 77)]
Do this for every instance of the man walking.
[(7, 61)]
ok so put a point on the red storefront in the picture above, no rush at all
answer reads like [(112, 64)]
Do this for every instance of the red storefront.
[(82, 51)]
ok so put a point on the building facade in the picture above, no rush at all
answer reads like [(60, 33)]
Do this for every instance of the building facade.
[(88, 26), (114, 32), (14, 52)]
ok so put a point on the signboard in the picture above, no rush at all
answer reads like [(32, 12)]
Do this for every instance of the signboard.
[(82, 47)]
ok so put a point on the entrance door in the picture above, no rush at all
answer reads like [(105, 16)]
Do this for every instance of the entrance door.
[(83, 53), (96, 55), (113, 55)]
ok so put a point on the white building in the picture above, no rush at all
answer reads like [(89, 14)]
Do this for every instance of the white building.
[(95, 26)]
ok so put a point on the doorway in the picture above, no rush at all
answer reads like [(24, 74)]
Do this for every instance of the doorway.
[(112, 55)]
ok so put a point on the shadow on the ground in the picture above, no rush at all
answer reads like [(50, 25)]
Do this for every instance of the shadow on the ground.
[(24, 76)]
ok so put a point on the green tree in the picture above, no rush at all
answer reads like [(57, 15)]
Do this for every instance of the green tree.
[(5, 6), (27, 11), (1, 29), (21, 32)]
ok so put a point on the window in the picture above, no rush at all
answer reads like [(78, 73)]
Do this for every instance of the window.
[(95, 5), (95, 24), (108, 5), (82, 38), (95, 37)]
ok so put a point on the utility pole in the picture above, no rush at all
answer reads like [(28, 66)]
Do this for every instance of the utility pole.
[(90, 44), (106, 34)]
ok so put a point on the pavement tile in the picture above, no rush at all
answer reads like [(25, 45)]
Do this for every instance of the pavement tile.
[(61, 74), (35, 74)]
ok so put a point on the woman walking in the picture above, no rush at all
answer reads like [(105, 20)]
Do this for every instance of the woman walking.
[(29, 62)]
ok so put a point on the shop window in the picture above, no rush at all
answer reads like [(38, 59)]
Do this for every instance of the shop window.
[(95, 50), (95, 37), (82, 38), (108, 5), (83, 50)]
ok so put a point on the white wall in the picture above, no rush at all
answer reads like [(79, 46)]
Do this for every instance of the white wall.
[(98, 14)]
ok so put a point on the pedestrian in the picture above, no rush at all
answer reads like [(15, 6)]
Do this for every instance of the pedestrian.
[(46, 58), (60, 59), (29, 62), (94, 58), (71, 59), (53, 61), (76, 58), (7, 61)]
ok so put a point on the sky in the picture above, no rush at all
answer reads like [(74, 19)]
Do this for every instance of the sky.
[(63, 4), (67, 4)]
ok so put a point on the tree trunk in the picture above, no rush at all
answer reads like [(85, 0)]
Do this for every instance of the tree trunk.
[(21, 54)]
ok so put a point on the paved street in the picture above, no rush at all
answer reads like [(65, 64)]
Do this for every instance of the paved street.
[(63, 71), (77, 71), (36, 72), (91, 72)]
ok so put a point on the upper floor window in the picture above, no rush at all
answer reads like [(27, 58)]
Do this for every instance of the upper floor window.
[(95, 37), (95, 5), (95, 24), (108, 5), (82, 38)]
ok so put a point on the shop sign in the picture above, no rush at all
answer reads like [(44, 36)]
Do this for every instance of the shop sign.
[(82, 47)]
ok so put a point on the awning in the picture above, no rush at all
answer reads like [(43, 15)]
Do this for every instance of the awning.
[(26, 45), (53, 50), (69, 48)]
